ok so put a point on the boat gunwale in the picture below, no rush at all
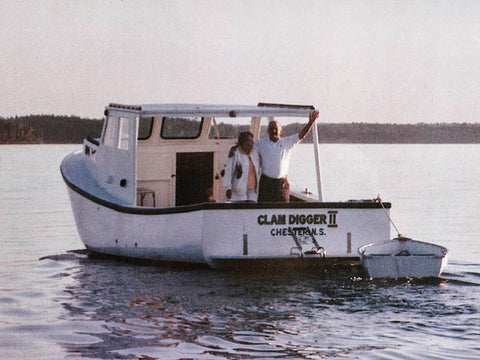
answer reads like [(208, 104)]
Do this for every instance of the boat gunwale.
[(362, 249), (221, 206)]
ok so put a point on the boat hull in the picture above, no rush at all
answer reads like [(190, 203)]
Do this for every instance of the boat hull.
[(108, 231), (220, 234), (403, 258), (226, 235)]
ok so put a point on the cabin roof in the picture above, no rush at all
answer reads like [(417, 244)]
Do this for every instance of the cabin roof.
[(260, 110)]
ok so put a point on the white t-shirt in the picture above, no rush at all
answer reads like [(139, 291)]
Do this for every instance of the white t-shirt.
[(275, 156)]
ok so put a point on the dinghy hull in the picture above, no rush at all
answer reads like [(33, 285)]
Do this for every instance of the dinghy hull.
[(403, 258)]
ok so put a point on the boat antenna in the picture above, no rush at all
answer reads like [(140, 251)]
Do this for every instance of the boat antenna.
[(379, 199)]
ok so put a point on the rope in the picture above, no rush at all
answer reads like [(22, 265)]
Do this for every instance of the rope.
[(388, 215)]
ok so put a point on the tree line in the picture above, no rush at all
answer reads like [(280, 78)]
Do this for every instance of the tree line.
[(369, 133), (52, 129), (47, 129)]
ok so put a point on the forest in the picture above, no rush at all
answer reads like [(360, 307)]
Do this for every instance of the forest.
[(47, 129), (53, 129)]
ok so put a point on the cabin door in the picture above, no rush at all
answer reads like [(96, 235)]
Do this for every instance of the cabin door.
[(194, 178)]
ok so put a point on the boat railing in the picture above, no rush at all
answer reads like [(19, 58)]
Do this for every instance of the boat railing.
[(90, 146)]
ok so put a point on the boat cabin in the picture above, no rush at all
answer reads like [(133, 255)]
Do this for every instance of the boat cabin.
[(174, 154)]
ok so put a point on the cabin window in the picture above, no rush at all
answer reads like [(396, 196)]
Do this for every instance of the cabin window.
[(109, 135), (123, 134), (181, 127), (225, 128), (145, 125)]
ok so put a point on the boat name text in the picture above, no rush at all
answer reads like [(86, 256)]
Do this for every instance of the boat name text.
[(329, 219)]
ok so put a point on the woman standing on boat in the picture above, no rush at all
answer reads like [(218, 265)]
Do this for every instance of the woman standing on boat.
[(275, 158), (241, 172)]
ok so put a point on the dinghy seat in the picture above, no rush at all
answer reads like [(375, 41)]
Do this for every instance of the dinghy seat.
[(403, 253)]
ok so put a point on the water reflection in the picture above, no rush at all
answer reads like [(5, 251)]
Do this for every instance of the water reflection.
[(170, 313)]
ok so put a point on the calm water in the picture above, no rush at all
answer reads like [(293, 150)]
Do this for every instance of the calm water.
[(57, 304)]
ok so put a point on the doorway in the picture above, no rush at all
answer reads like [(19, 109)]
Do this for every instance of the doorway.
[(194, 178)]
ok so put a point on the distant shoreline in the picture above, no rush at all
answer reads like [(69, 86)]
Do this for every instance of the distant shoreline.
[(52, 129)]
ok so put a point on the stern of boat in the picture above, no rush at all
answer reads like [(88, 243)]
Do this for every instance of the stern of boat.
[(313, 233)]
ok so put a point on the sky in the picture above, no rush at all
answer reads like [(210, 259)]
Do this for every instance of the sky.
[(356, 61)]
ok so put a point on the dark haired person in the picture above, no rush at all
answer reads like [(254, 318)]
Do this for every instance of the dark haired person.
[(242, 170), (275, 153)]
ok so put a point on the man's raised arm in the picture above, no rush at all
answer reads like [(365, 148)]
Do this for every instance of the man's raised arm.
[(313, 116)]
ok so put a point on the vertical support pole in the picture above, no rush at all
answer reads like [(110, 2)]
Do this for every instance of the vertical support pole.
[(349, 243), (317, 162)]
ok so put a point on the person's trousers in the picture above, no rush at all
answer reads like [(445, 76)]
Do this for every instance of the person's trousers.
[(273, 190)]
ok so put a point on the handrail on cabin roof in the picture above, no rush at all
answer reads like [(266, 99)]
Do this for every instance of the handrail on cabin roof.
[(262, 109)]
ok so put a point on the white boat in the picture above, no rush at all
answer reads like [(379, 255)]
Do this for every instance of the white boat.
[(403, 258), (150, 188)]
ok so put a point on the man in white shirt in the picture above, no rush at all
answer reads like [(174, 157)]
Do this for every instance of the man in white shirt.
[(275, 158)]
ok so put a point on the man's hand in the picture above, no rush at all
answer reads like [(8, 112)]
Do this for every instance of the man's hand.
[(313, 116)]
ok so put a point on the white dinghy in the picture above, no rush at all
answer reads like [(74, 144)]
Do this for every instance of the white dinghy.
[(403, 258)]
